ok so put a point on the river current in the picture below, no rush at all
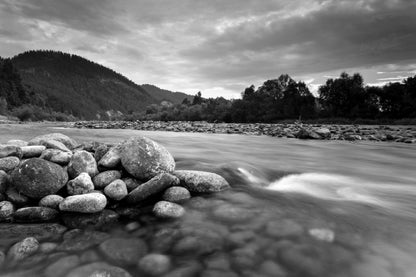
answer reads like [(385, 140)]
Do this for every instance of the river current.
[(296, 208)]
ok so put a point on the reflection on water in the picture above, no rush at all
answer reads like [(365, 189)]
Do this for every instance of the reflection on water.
[(297, 208)]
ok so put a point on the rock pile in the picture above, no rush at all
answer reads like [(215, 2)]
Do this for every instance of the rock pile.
[(406, 134), (52, 178)]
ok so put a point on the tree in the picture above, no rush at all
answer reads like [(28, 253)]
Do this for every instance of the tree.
[(197, 99)]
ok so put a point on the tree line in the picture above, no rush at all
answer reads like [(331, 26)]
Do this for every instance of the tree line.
[(280, 99)]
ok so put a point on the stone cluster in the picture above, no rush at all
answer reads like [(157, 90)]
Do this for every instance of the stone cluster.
[(53, 178), (406, 134)]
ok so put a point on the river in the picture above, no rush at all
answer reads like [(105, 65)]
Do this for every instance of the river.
[(296, 208)]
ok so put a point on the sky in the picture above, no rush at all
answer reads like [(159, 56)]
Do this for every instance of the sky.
[(220, 47)]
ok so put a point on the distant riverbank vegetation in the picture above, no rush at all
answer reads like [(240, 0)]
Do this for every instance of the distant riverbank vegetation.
[(341, 100)]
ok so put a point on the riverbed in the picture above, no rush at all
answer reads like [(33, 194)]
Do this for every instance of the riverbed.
[(296, 207)]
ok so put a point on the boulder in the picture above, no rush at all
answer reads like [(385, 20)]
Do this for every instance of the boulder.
[(9, 163), (100, 151), (32, 151), (7, 210), (10, 150), (112, 158), (116, 190), (37, 178), (154, 186), (176, 194), (84, 203), (98, 269), (51, 201), (201, 181), (56, 156), (80, 185), (35, 214), (82, 161), (123, 251), (54, 144), (164, 209), (103, 179), (22, 249), (67, 141), (155, 264), (143, 158)]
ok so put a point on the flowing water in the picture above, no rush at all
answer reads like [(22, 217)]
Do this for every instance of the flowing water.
[(296, 208)]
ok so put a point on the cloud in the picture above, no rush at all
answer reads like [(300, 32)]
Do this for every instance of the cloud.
[(220, 46)]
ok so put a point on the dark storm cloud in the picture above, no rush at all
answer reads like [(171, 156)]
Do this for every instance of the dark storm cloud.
[(219, 46)]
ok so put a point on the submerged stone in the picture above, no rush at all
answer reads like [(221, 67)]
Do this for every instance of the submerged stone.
[(22, 249), (201, 181), (98, 269), (155, 264), (35, 214), (164, 209), (123, 251)]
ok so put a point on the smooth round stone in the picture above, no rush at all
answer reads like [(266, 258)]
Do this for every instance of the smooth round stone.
[(94, 220), (176, 194), (201, 181), (232, 213), (123, 251), (100, 152), (89, 256), (17, 198), (7, 210), (271, 268), (143, 158), (80, 185), (164, 209), (56, 156), (17, 142), (35, 214), (283, 228), (111, 159), (62, 266), (54, 144), (37, 178), (82, 161), (131, 183), (155, 264), (51, 201), (84, 203), (156, 185), (104, 178), (322, 234), (67, 141), (23, 249), (10, 150), (9, 163), (116, 190), (47, 247), (306, 260), (98, 269), (32, 151)]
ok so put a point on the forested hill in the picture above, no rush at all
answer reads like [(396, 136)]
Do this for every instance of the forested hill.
[(163, 94), (74, 85)]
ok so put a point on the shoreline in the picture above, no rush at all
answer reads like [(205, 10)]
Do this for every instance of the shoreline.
[(391, 133)]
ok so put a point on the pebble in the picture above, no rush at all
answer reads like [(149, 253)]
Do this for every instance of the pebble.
[(51, 201), (176, 194), (123, 251), (82, 161), (54, 144), (56, 156), (35, 214), (111, 159), (201, 181), (131, 183), (10, 150), (84, 203), (104, 178), (7, 210), (80, 185), (47, 247), (155, 264), (9, 163), (116, 190), (17, 198), (62, 266), (22, 249), (164, 209), (283, 228), (78, 240), (32, 151), (322, 234)]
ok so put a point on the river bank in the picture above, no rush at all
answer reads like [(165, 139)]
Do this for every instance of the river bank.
[(393, 133)]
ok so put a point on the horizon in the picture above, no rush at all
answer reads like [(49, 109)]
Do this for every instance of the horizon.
[(223, 47)]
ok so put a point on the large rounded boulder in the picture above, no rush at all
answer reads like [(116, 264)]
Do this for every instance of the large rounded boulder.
[(143, 158), (67, 141), (82, 161), (37, 178)]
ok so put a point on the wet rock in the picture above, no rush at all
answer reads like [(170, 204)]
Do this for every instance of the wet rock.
[(111, 159), (100, 152), (62, 266), (37, 178), (82, 161), (164, 209), (176, 194), (154, 186), (98, 269), (9, 163), (77, 240), (307, 134), (123, 251), (283, 228), (16, 197), (322, 234), (51, 201), (201, 181), (155, 264), (47, 247), (35, 214), (56, 156), (7, 210), (40, 231), (84, 203), (80, 185), (89, 256), (10, 150), (22, 249), (143, 158), (17, 142), (54, 144), (131, 183), (4, 178), (94, 221), (67, 141), (32, 151), (232, 213), (116, 190), (104, 178)]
